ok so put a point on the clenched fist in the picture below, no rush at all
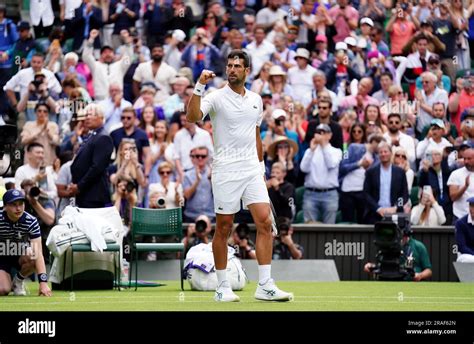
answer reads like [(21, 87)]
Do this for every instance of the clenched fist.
[(206, 76)]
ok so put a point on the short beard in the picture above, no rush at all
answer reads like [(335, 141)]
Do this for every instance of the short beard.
[(393, 130), (236, 82)]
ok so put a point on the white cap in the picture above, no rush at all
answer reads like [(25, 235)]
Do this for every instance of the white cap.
[(278, 113), (341, 46), (302, 52), (350, 41), (368, 21), (362, 43), (179, 35)]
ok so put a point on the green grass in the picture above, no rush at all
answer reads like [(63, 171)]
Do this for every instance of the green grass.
[(309, 296)]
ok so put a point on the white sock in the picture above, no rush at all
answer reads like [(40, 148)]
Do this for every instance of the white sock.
[(264, 273), (221, 276)]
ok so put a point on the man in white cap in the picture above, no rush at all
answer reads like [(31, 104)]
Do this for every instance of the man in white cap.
[(237, 171), (277, 128), (434, 139), (300, 77), (172, 52)]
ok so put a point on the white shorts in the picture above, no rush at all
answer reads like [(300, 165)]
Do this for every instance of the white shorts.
[(231, 187)]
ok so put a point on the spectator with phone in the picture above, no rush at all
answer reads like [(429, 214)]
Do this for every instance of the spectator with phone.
[(428, 212), (435, 172)]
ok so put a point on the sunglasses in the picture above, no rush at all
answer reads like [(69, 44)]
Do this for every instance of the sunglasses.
[(198, 156), (323, 107), (400, 156), (394, 122), (126, 117), (357, 131), (164, 173)]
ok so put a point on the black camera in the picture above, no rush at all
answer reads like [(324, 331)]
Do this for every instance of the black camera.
[(201, 226), (391, 263), (34, 191), (277, 122), (242, 231), (130, 186)]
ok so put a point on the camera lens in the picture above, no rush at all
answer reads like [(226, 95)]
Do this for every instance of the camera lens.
[(130, 186), (160, 202), (201, 226), (35, 191)]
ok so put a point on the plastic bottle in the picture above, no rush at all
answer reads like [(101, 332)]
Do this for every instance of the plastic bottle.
[(125, 269)]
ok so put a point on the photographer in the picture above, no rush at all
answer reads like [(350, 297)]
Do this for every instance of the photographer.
[(37, 92), (198, 233), (125, 198), (126, 164), (39, 205), (165, 194), (240, 241), (428, 212), (284, 247), (412, 249), (27, 231)]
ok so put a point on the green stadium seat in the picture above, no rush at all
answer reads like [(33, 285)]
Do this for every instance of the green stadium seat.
[(299, 217), (299, 192), (414, 195), (156, 222)]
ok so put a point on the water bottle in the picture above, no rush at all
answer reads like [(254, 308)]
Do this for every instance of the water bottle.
[(125, 268)]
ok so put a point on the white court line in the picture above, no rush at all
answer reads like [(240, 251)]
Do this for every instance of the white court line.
[(210, 301)]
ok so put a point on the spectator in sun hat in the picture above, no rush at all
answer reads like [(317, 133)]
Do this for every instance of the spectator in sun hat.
[(283, 150), (300, 77)]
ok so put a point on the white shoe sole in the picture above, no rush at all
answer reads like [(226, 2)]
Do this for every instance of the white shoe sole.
[(288, 298), (236, 299)]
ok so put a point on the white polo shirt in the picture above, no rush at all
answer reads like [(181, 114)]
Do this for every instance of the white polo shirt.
[(184, 142), (458, 177), (234, 120)]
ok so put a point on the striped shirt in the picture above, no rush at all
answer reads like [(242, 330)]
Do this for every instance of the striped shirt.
[(25, 229)]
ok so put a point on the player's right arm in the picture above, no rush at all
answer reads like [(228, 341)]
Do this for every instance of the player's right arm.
[(194, 113)]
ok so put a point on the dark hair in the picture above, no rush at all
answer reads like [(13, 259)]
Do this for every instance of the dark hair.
[(327, 101), (387, 74), (241, 55), (364, 132), (65, 156), (38, 104), (420, 37), (106, 47), (377, 27), (130, 110), (156, 45), (38, 54), (142, 123), (30, 147), (375, 137), (379, 120)]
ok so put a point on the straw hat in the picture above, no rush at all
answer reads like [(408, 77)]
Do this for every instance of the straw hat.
[(271, 151)]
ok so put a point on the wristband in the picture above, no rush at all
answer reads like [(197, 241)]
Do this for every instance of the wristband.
[(199, 89), (42, 277), (262, 166)]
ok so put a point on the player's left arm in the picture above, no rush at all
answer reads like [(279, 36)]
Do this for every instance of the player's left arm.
[(40, 266), (258, 139)]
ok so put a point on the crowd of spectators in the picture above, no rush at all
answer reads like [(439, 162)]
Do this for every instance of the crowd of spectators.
[(366, 102)]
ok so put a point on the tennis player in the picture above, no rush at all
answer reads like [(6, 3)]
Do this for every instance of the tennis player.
[(237, 171)]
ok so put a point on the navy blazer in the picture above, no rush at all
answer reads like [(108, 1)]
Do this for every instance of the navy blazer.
[(89, 169), (78, 25), (398, 189), (350, 162)]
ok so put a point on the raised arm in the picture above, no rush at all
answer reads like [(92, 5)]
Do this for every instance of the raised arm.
[(194, 113)]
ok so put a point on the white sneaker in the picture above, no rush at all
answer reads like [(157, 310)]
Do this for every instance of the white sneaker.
[(18, 287), (224, 293), (270, 292)]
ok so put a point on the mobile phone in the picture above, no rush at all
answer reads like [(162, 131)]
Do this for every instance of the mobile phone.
[(427, 190), (429, 157), (42, 169)]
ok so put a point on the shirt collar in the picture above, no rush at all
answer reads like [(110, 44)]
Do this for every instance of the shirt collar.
[(21, 219), (235, 95)]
